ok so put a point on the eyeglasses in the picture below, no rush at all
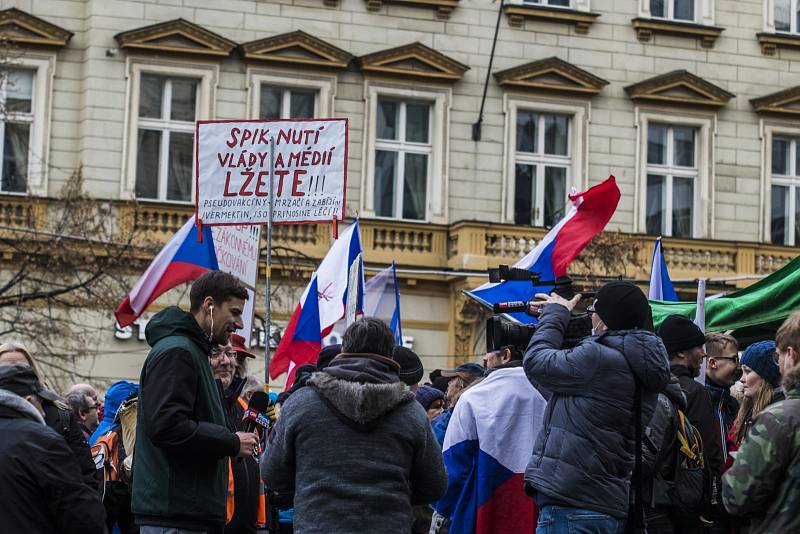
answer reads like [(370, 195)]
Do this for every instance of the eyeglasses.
[(734, 358)]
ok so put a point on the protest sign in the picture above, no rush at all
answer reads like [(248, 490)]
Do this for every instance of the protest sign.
[(233, 167), (237, 249)]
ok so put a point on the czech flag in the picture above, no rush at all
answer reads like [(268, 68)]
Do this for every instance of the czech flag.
[(322, 305), (591, 211), (660, 284), (183, 259), (486, 449)]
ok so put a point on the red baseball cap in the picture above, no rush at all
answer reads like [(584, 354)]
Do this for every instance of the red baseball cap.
[(239, 346)]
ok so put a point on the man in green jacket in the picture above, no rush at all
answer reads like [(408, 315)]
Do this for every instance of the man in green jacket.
[(764, 482), (182, 443)]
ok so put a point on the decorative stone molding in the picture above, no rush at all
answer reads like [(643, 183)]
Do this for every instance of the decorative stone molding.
[(297, 49), (679, 87), (646, 28), (517, 13), (467, 319), (21, 28), (786, 102), (552, 75), (176, 36), (415, 61), (770, 42), (443, 7)]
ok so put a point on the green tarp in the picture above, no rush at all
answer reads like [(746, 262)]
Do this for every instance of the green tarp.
[(752, 312)]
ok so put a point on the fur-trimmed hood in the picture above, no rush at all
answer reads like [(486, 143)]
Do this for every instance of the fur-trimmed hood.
[(360, 403), (14, 402)]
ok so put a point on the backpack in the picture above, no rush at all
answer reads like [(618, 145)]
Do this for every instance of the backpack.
[(685, 492), (127, 418), (107, 455)]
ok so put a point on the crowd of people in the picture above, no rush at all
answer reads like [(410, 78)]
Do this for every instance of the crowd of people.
[(632, 429)]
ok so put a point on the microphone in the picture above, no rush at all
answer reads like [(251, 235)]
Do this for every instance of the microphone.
[(254, 417), (509, 307)]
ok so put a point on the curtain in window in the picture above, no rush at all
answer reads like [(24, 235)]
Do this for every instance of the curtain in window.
[(415, 186), (783, 15), (179, 181), (15, 157), (524, 194), (555, 194), (780, 214), (682, 206), (147, 158), (655, 205), (385, 165)]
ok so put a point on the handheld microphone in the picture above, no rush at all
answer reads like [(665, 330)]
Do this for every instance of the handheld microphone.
[(254, 417), (510, 307)]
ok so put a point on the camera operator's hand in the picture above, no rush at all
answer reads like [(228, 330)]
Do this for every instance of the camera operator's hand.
[(543, 299)]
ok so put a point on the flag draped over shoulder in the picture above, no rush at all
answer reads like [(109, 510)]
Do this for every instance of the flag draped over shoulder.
[(181, 260), (769, 300), (590, 212), (382, 300), (322, 305), (486, 449)]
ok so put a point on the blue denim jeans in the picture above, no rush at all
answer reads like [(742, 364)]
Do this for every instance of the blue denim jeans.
[(563, 520)]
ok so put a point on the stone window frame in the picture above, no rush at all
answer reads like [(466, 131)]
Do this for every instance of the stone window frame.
[(770, 39), (702, 27), (437, 187), (207, 75), (770, 128), (578, 13), (578, 110), (44, 66), (706, 124), (324, 85)]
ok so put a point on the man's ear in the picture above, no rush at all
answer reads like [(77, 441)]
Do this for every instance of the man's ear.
[(792, 353), (712, 362)]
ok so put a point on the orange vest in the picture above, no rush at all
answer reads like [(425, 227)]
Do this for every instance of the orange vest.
[(261, 517)]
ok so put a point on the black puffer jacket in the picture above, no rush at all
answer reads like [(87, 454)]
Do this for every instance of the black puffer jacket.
[(63, 421), (658, 452), (584, 456)]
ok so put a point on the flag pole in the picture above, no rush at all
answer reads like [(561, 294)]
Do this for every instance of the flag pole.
[(267, 317)]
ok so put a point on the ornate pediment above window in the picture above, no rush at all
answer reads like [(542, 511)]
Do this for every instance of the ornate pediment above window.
[(679, 87), (413, 61), (176, 36), (551, 75), (297, 49), (518, 12), (20, 28), (443, 7), (645, 28), (786, 102)]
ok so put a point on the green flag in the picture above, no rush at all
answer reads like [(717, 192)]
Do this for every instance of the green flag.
[(770, 300)]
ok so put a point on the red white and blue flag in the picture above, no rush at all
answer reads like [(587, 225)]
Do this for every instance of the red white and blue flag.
[(181, 260), (591, 211), (322, 305), (486, 449)]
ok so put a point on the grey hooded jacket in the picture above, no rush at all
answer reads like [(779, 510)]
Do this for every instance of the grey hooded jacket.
[(356, 450), (584, 456)]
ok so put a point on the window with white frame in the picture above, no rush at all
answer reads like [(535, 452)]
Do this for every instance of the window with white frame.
[(551, 3), (787, 16), (680, 10), (785, 191), (403, 148), (542, 166), (168, 107), (276, 102), (17, 112), (672, 176)]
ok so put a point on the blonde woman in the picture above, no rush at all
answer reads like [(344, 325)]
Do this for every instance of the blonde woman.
[(15, 353), (761, 378)]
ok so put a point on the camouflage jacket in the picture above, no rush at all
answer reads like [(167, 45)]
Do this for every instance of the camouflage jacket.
[(764, 482)]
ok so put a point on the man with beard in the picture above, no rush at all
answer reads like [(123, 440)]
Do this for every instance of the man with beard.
[(685, 345), (182, 442)]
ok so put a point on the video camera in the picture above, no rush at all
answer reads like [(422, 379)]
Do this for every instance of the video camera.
[(502, 334)]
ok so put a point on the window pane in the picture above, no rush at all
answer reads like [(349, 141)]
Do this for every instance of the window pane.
[(147, 164), (682, 206), (683, 141), (417, 122), (385, 165), (657, 144), (655, 204), (184, 99), (19, 91), (780, 214), (555, 134), (302, 104), (684, 9), (555, 194), (179, 181), (657, 8), (524, 194), (387, 119), (15, 157), (783, 15), (796, 215), (151, 93), (780, 156), (564, 3), (270, 106), (527, 123), (415, 186)]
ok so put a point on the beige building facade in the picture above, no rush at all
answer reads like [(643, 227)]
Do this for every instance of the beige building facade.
[(691, 104)]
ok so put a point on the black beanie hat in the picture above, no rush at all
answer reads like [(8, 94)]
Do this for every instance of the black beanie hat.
[(622, 306), (411, 371), (327, 354), (680, 333)]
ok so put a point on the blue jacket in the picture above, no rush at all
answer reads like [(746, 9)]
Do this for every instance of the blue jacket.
[(584, 455)]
